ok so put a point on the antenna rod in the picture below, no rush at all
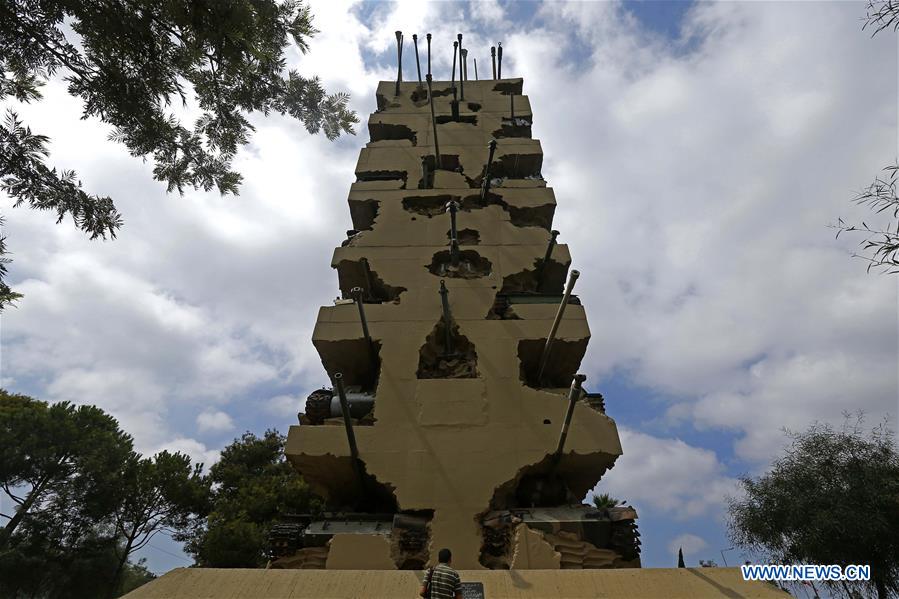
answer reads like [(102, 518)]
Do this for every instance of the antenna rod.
[(493, 59), (434, 123), (417, 64), (447, 318), (429, 53), (485, 187), (499, 59), (461, 82), (399, 60), (544, 357)]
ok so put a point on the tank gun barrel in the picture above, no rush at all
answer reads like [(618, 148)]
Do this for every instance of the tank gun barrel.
[(544, 357)]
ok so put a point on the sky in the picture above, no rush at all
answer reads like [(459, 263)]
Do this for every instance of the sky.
[(698, 153)]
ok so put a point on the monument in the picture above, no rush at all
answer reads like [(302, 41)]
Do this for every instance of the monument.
[(456, 416)]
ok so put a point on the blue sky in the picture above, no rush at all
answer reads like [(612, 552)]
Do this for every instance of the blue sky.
[(697, 152)]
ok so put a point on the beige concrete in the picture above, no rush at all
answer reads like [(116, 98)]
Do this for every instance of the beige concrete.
[(669, 583), (531, 551), (456, 446), (355, 552)]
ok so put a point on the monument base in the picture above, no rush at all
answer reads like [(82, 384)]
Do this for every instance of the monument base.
[(646, 583)]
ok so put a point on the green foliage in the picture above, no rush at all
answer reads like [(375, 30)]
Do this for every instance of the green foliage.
[(253, 484), (129, 62), (881, 245), (833, 498), (83, 501), (605, 501)]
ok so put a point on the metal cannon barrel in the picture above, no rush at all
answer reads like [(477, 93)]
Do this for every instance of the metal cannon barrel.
[(574, 394), (417, 63), (453, 207), (485, 186), (433, 122), (541, 270), (428, 36), (544, 357), (493, 59), (348, 426), (499, 60), (399, 60), (447, 318), (461, 81)]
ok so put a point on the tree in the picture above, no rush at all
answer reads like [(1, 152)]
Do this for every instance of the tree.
[(881, 244), (83, 500), (832, 498), (605, 501), (58, 459), (253, 484), (161, 493), (129, 61)]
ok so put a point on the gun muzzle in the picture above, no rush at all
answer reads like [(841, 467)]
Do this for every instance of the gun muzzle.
[(544, 357), (417, 64), (447, 318)]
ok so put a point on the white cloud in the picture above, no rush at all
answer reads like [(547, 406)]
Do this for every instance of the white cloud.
[(694, 183), (198, 452), (690, 544), (284, 406), (216, 422), (668, 476)]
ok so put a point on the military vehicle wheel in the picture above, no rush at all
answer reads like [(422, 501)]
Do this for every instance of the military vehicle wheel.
[(318, 406)]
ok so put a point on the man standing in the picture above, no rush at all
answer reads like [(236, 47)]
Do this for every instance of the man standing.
[(442, 581)]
